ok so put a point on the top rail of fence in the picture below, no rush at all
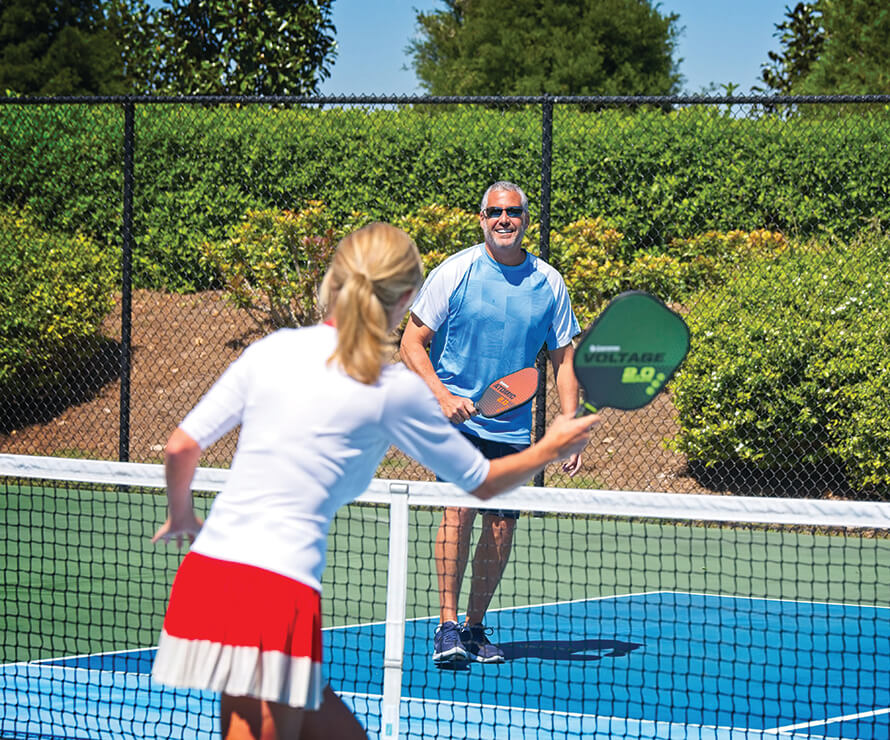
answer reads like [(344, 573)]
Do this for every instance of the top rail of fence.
[(653, 100)]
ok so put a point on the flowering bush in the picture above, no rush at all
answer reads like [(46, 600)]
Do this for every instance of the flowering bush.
[(273, 262)]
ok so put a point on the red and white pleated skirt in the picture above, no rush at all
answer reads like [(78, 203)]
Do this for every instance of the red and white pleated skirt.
[(242, 631)]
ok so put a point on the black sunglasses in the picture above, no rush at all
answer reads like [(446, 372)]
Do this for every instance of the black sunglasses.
[(496, 211)]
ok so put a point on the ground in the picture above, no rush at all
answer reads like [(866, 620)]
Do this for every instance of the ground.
[(182, 343)]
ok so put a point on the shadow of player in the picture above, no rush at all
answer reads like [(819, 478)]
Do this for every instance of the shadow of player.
[(567, 649)]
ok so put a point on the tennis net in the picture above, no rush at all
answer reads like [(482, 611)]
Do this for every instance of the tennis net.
[(620, 614)]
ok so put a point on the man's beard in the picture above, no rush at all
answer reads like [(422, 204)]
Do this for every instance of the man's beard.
[(490, 240)]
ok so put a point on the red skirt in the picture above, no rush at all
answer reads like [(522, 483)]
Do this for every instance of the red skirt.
[(243, 631)]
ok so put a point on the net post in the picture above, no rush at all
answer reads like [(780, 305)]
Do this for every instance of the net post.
[(396, 600)]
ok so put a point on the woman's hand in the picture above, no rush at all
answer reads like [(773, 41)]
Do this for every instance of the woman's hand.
[(176, 531)]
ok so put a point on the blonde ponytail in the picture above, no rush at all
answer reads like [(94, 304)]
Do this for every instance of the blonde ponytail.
[(371, 271)]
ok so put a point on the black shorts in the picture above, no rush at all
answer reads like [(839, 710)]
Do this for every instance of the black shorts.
[(493, 450)]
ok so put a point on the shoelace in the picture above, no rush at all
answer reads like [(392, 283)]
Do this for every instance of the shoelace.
[(479, 633)]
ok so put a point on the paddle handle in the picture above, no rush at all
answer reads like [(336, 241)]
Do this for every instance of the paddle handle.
[(584, 409)]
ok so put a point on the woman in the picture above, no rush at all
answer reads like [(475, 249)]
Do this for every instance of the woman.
[(318, 408)]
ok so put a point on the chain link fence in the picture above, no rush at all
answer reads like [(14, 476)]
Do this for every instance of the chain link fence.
[(146, 241)]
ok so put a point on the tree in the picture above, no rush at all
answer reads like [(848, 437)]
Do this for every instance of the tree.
[(133, 23), (854, 59), (61, 48), (257, 47), (104, 47), (832, 47), (535, 47), (802, 37)]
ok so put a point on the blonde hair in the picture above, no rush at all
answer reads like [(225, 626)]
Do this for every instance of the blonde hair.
[(371, 271)]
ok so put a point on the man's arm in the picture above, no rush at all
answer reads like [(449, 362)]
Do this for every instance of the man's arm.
[(567, 390), (566, 382), (414, 352)]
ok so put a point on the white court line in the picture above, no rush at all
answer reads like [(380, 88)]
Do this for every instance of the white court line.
[(768, 598), (77, 657), (607, 597), (829, 721), (598, 719), (614, 597), (359, 625), (633, 595), (492, 707)]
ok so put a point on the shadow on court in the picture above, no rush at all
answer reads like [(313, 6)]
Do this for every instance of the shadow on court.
[(579, 650)]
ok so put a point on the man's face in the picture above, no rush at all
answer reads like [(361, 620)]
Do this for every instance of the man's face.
[(504, 231)]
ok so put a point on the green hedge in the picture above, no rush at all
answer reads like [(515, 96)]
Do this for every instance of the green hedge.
[(55, 290), (789, 364), (595, 260), (655, 177)]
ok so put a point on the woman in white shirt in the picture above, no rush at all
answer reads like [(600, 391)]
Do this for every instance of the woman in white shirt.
[(318, 407)]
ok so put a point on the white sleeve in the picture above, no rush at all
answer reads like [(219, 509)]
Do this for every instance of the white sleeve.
[(221, 408), (415, 423), (432, 302), (565, 326)]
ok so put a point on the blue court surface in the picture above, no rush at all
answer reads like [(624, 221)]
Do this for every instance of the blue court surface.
[(652, 665)]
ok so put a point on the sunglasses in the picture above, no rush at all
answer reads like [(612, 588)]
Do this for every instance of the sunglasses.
[(496, 211)]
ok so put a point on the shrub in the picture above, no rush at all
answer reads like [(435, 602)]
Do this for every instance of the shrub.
[(439, 229), (789, 366), (55, 290), (273, 262), (597, 263), (432, 259), (656, 177)]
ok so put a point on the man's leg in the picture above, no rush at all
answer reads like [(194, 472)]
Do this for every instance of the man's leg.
[(492, 554), (469, 642), (489, 561), (451, 553)]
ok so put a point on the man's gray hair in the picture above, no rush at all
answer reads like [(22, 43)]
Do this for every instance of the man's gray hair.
[(501, 185)]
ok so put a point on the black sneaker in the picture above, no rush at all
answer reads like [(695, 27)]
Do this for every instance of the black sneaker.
[(447, 645), (475, 640)]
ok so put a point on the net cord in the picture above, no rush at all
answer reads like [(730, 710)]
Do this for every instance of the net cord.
[(637, 504)]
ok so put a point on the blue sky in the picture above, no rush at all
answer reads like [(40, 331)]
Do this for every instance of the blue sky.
[(723, 41)]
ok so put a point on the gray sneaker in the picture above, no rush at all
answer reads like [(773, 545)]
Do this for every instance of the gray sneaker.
[(475, 640), (447, 646)]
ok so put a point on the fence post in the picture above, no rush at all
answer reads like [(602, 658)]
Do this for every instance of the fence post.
[(126, 284), (544, 250)]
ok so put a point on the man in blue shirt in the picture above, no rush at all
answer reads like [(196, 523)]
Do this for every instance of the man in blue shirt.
[(483, 313)]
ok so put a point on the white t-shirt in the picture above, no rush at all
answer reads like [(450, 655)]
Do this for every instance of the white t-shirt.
[(311, 439)]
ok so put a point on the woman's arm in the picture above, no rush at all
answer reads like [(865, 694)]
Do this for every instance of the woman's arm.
[(565, 437), (181, 460)]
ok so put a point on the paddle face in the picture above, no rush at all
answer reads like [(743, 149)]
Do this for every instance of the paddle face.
[(508, 393), (630, 352)]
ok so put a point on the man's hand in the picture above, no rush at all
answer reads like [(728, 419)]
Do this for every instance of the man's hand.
[(456, 408), (572, 465)]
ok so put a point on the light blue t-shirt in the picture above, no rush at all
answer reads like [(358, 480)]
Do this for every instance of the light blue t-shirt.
[(490, 320)]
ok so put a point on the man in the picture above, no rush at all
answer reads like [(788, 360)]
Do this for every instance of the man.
[(483, 313)]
